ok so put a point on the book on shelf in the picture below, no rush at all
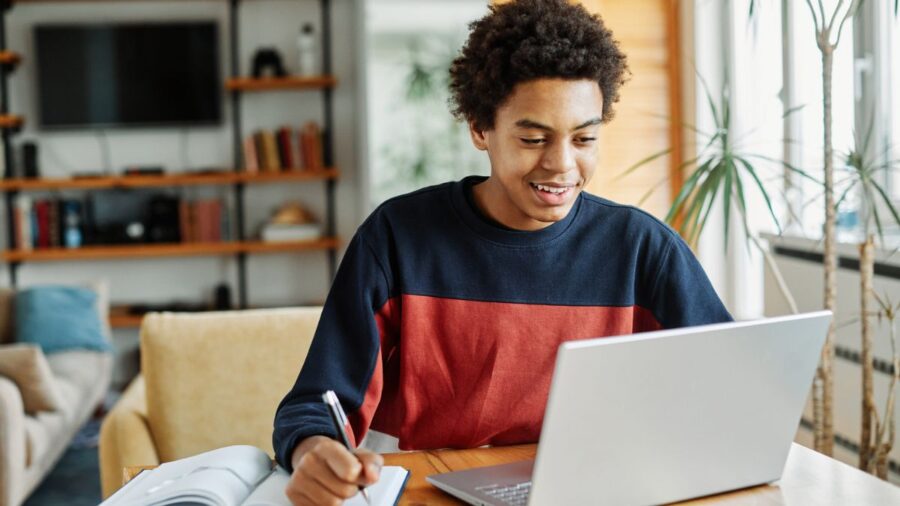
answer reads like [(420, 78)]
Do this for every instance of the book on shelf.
[(203, 220), (22, 222), (311, 146), (235, 476), (273, 162), (42, 218), (251, 159), (284, 149)]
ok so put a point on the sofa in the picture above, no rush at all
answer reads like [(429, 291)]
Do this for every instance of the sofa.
[(30, 445), (207, 380)]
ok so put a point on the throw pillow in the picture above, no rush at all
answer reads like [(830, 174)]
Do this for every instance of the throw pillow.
[(27, 367), (59, 318)]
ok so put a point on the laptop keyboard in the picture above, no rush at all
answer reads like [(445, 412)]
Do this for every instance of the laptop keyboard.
[(516, 495)]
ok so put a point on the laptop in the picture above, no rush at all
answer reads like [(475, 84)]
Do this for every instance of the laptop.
[(662, 416)]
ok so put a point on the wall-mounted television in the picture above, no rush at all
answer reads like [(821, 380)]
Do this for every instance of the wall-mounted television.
[(139, 74)]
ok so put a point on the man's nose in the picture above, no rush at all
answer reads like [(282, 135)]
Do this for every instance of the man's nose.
[(560, 157)]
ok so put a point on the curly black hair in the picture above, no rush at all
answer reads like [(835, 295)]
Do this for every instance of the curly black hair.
[(531, 39)]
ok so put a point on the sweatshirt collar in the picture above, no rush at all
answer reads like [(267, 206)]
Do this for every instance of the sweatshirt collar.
[(464, 203)]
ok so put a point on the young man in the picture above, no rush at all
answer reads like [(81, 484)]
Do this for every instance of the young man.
[(442, 325)]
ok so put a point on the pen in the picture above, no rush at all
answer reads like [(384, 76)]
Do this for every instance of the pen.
[(339, 419)]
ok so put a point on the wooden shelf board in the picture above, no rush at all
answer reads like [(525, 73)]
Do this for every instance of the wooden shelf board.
[(118, 321), (279, 83), (101, 182), (325, 243), (222, 178), (165, 250), (11, 121), (290, 175), (10, 57)]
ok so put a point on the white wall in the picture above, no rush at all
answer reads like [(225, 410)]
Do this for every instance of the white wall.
[(283, 279)]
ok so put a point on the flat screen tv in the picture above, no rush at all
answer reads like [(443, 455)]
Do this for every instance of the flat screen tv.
[(111, 75)]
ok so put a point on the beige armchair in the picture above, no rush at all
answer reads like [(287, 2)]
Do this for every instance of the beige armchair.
[(207, 380)]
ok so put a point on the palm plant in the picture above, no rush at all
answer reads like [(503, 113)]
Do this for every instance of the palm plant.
[(884, 430), (828, 29), (864, 176), (720, 168)]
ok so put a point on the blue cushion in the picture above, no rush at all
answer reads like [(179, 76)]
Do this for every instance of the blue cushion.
[(59, 318)]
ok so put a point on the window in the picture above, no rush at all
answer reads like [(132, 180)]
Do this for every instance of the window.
[(803, 83), (893, 56)]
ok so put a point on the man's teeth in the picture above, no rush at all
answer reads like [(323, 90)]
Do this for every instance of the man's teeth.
[(550, 189)]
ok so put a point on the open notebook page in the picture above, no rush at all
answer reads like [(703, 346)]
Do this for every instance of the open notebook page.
[(383, 493)]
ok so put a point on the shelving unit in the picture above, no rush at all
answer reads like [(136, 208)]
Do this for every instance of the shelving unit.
[(166, 250), (216, 178), (236, 85), (280, 83)]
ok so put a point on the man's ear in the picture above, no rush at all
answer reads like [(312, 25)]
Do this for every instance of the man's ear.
[(478, 137)]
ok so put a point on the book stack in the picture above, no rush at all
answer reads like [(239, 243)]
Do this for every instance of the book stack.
[(204, 220), (47, 223), (284, 150)]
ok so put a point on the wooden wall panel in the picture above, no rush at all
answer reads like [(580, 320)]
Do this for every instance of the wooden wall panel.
[(641, 126)]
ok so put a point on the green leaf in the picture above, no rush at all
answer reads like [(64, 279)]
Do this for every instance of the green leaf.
[(712, 105), (888, 202), (695, 205), (792, 110), (726, 198), (742, 202), (709, 197), (788, 166), (686, 189), (642, 162), (762, 189), (652, 190), (692, 216), (844, 194)]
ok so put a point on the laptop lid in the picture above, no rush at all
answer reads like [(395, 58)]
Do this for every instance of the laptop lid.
[(675, 414)]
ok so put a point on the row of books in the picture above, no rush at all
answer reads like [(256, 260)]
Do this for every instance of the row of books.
[(47, 223), (68, 223), (285, 149)]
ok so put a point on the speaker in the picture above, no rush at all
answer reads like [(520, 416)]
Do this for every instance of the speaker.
[(30, 160), (162, 219)]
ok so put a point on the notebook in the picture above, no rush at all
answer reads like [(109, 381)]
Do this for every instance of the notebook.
[(234, 476)]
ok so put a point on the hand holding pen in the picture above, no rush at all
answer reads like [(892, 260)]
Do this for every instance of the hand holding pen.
[(339, 419), (327, 472)]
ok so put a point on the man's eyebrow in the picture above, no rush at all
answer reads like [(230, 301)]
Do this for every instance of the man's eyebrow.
[(527, 123), (590, 122)]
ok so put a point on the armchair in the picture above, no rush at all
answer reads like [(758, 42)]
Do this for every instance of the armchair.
[(207, 380)]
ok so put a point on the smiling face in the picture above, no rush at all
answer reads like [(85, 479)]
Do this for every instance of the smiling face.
[(543, 150)]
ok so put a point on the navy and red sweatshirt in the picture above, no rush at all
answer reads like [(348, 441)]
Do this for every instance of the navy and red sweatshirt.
[(441, 327)]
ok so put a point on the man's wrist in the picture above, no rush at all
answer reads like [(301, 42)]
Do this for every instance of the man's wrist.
[(303, 447)]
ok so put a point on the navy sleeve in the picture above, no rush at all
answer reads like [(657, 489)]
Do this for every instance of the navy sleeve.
[(682, 295), (343, 355)]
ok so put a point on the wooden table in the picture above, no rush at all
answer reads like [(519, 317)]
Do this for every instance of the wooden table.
[(809, 478)]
